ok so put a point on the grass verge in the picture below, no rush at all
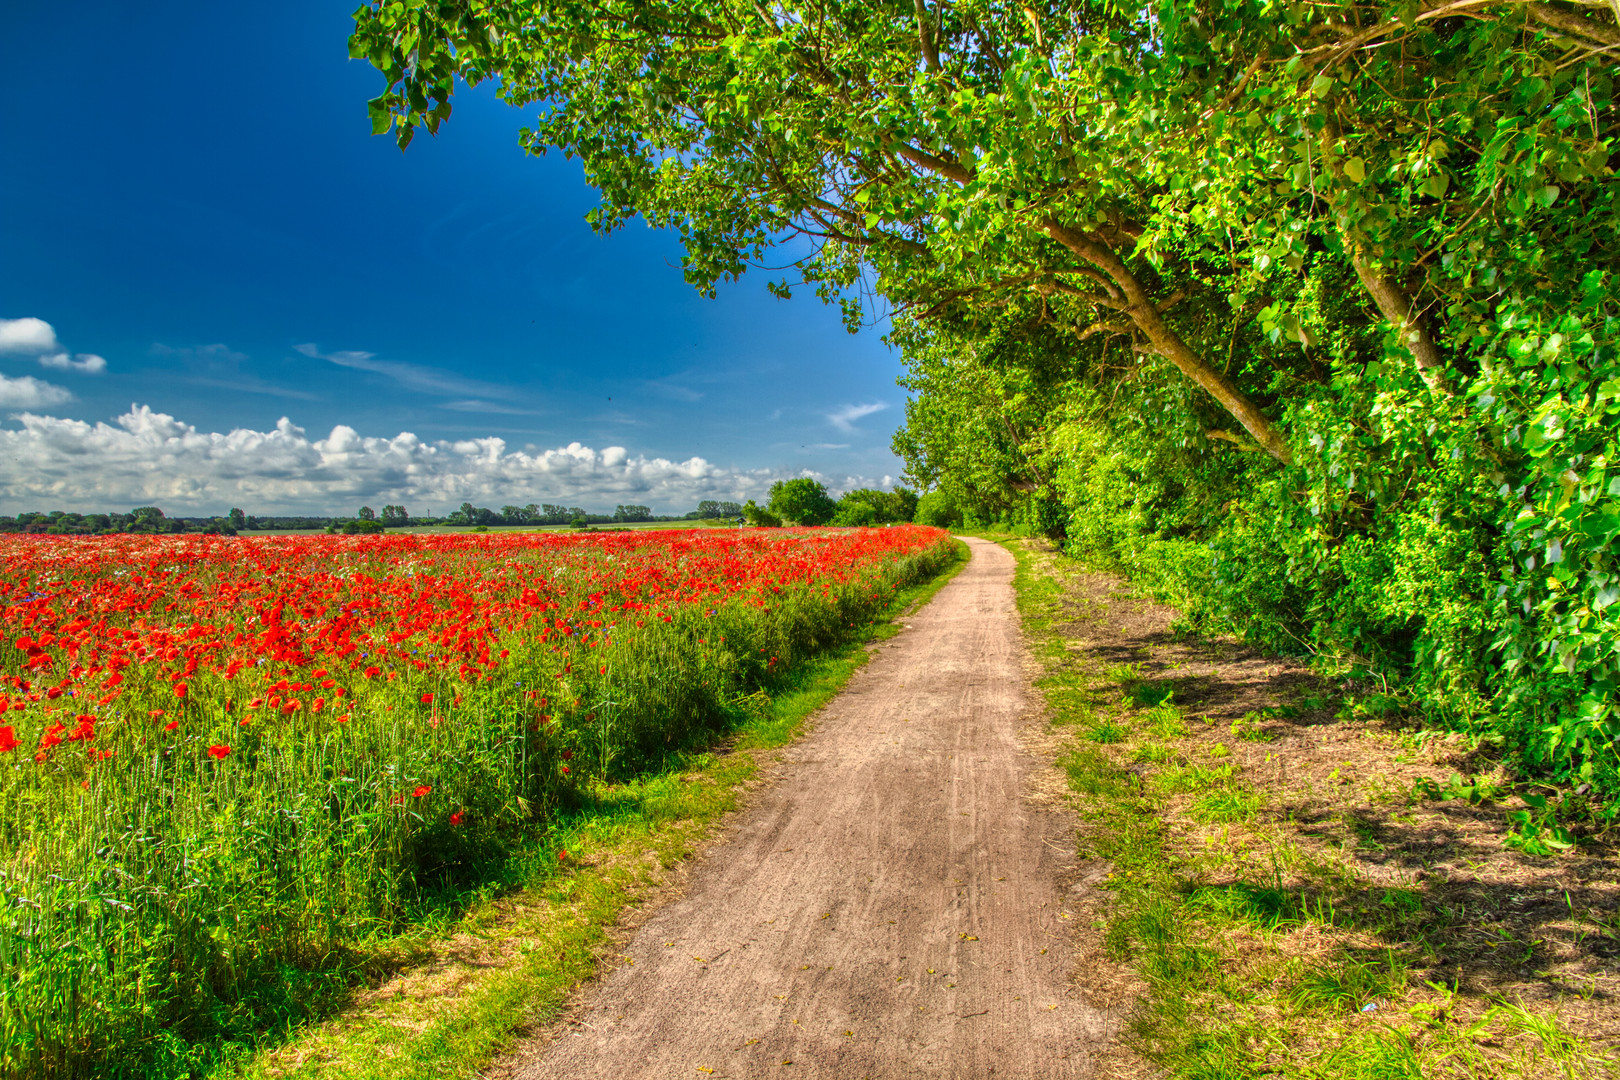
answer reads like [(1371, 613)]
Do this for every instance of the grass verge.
[(1286, 892), (447, 999)]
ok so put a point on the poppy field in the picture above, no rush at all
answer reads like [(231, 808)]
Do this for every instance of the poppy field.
[(225, 761)]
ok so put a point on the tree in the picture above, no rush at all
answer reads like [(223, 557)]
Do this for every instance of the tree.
[(937, 508), (1321, 291), (366, 513), (394, 516), (746, 126), (802, 500), (885, 506), (854, 513), (758, 515), (632, 513), (237, 518)]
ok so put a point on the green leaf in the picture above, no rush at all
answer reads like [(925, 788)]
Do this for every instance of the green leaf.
[(1436, 184), (1548, 195), (1355, 169)]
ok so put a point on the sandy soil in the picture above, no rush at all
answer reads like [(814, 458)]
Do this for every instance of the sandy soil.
[(893, 906)]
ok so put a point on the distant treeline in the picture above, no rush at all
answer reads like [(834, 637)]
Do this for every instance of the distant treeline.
[(150, 519)]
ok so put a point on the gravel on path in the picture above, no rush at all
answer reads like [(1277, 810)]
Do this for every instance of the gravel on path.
[(889, 907)]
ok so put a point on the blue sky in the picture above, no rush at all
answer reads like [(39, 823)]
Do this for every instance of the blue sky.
[(192, 195)]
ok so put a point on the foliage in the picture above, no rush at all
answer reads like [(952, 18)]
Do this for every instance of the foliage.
[(939, 509), (755, 514), (801, 501), (711, 509), (226, 762), (868, 506), (1302, 312)]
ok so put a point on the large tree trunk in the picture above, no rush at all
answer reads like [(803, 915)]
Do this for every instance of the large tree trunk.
[(1139, 307)]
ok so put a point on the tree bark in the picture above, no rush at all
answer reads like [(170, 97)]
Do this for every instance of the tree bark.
[(1145, 315), (1391, 299), (1409, 324)]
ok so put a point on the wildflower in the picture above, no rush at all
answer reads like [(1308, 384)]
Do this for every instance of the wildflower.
[(427, 699), (219, 753), (156, 714), (421, 790), (8, 739), (172, 724), (458, 817)]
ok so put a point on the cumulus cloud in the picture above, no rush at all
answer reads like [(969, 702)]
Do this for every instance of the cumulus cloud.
[(27, 336), (36, 337), (83, 363), (30, 393), (148, 457), (844, 418)]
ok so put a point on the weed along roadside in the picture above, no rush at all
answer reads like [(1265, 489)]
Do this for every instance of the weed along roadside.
[(446, 1002), (1290, 892)]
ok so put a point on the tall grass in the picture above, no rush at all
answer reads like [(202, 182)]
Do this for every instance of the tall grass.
[(159, 884)]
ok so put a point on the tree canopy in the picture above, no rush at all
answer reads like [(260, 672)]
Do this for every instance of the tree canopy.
[(1321, 293)]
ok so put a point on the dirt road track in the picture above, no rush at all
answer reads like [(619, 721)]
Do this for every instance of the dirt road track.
[(890, 907)]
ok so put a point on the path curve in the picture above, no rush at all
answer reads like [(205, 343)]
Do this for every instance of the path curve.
[(889, 907)]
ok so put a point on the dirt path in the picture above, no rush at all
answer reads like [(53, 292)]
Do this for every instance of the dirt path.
[(890, 907)]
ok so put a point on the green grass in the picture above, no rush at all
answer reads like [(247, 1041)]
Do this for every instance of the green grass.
[(617, 844), (1255, 954)]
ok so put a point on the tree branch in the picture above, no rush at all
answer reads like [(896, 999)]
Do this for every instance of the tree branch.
[(925, 37)]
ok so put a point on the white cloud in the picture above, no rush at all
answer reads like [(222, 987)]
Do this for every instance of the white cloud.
[(84, 363), (27, 336), (474, 405), (36, 337), (30, 393), (844, 418), (147, 457), (416, 377)]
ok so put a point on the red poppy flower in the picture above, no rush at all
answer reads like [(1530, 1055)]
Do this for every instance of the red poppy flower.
[(219, 753), (172, 724), (458, 817), (421, 790), (8, 739), (427, 699)]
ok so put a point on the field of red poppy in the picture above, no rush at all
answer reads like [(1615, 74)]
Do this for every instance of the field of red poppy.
[(223, 761)]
